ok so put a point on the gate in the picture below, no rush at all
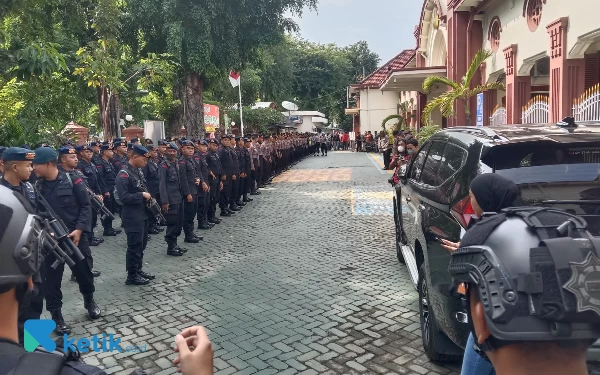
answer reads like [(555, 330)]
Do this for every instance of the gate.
[(498, 116), (536, 111), (587, 106)]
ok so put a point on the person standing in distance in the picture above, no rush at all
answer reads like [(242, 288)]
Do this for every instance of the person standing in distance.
[(171, 199), (69, 199), (190, 183), (216, 185), (133, 199)]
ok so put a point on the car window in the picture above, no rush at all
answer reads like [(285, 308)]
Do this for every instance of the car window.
[(417, 165), (429, 175), (454, 158)]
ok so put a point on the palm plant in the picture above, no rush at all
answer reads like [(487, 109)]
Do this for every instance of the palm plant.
[(459, 91)]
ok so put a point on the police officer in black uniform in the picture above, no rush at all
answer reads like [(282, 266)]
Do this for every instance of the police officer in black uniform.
[(152, 181), (171, 199), (67, 196), (17, 172), (226, 175), (250, 169), (96, 148), (235, 178), (190, 182), (119, 153), (130, 193), (204, 192), (216, 185), (107, 174), (86, 167)]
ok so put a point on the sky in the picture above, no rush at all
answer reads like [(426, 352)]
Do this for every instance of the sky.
[(387, 25)]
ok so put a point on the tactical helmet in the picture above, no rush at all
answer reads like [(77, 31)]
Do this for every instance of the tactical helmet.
[(536, 272), (22, 239)]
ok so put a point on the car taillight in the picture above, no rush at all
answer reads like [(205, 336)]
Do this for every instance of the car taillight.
[(463, 211)]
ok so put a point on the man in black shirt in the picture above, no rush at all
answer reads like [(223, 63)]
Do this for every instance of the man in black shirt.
[(190, 181), (216, 185), (108, 174), (69, 199), (152, 181), (227, 175)]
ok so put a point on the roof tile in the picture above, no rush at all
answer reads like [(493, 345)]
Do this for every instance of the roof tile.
[(381, 74)]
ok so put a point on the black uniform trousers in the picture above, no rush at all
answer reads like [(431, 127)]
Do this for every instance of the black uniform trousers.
[(110, 204), (94, 220), (252, 180), (235, 188), (213, 199), (174, 219), (137, 239), (204, 203), (190, 209), (82, 271), (225, 193), (243, 187), (387, 158)]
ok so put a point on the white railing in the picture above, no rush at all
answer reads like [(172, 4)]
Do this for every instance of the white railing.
[(587, 106), (536, 111), (498, 116)]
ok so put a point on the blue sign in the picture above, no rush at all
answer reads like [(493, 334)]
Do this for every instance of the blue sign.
[(479, 110)]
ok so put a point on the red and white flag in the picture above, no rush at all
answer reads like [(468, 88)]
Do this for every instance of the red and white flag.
[(234, 78)]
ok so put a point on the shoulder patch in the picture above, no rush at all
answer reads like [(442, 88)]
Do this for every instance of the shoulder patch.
[(78, 181), (164, 166), (124, 175)]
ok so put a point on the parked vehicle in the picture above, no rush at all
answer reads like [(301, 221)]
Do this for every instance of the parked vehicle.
[(553, 165)]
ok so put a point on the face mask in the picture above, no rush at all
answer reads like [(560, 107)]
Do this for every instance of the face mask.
[(411, 152), (400, 148)]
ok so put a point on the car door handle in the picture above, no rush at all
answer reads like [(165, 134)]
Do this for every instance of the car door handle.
[(421, 207)]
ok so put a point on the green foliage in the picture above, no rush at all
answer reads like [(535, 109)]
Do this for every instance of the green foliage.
[(426, 132), (458, 91), (390, 117)]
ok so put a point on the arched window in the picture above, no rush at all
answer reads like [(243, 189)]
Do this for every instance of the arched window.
[(494, 34), (533, 11)]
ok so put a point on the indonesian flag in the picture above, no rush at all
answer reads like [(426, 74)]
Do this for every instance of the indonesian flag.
[(234, 78)]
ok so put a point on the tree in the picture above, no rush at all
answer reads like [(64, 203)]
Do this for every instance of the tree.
[(363, 60), (459, 91), (256, 120), (210, 37)]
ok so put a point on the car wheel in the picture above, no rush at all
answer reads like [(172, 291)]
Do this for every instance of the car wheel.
[(399, 234), (430, 334)]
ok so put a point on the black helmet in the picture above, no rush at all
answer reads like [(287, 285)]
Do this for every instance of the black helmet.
[(536, 272), (21, 240)]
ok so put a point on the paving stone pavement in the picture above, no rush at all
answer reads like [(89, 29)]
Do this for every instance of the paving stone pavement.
[(304, 280)]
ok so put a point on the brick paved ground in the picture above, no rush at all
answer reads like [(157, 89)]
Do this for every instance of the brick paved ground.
[(303, 281)]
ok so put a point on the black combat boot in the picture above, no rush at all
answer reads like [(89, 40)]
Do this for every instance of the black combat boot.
[(134, 278), (96, 273), (201, 238), (61, 327), (225, 213), (214, 220), (173, 251), (153, 230), (182, 249), (239, 203), (256, 192), (146, 275), (111, 232), (234, 207), (203, 224), (205, 221), (89, 304), (246, 199), (191, 238)]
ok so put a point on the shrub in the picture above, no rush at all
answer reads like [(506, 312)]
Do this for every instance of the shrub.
[(426, 132)]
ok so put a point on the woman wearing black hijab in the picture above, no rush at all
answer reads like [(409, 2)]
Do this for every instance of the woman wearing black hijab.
[(489, 193)]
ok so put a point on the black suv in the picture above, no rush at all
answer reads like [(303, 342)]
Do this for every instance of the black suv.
[(553, 165)]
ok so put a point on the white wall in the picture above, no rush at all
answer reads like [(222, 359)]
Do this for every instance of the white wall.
[(376, 105), (308, 125), (582, 19)]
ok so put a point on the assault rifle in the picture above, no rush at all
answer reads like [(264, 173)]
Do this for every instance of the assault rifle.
[(57, 240), (97, 204), (152, 206)]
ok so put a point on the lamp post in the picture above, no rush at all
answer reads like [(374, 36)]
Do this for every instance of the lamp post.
[(232, 125)]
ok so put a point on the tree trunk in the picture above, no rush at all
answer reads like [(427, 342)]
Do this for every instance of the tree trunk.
[(177, 119), (194, 111), (104, 108)]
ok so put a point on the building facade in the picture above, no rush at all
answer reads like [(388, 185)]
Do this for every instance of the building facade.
[(546, 52)]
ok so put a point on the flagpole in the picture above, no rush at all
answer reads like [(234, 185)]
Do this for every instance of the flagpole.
[(241, 113)]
